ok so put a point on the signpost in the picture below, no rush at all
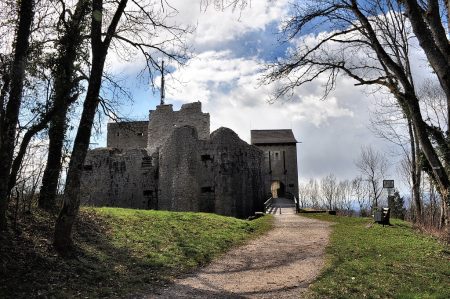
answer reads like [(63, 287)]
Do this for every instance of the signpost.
[(389, 185), (382, 215)]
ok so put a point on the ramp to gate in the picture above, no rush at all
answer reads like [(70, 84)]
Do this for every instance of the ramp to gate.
[(280, 205)]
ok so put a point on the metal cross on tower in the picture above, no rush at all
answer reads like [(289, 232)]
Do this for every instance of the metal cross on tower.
[(162, 84)]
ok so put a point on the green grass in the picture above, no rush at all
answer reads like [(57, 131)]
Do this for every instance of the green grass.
[(119, 251), (372, 261)]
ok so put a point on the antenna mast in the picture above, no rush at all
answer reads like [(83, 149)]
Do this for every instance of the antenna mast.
[(162, 84)]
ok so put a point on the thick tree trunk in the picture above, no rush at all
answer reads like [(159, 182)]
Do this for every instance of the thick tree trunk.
[(67, 215), (65, 87), (444, 219), (415, 172), (66, 218), (437, 52), (11, 116), (3, 93), (49, 189), (71, 204), (443, 222), (437, 168)]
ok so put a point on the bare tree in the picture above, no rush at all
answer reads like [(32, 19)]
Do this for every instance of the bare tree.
[(373, 167), (29, 177), (225, 4), (112, 22), (389, 122), (434, 103), (368, 41), (427, 21), (303, 194), (314, 192), (344, 197), (329, 191), (65, 92), (9, 109), (360, 192)]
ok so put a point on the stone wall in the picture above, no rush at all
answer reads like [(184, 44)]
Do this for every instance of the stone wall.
[(180, 168), (127, 135), (178, 171), (164, 120), (237, 172), (282, 166), (112, 177), (221, 175)]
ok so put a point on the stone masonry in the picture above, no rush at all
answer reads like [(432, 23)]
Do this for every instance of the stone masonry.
[(127, 135), (163, 121), (172, 162), (221, 174), (280, 161)]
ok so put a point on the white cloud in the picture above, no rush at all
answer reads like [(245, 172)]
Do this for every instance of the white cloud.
[(219, 80), (332, 130), (220, 26)]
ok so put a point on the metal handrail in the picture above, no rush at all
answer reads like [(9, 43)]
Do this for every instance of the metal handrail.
[(289, 195), (267, 204)]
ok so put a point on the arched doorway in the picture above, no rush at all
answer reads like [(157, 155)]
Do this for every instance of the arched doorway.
[(277, 189)]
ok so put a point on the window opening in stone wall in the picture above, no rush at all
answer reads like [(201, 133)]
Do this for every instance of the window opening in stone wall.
[(87, 167), (140, 134), (117, 134), (205, 157), (207, 189), (277, 155), (291, 185), (147, 192)]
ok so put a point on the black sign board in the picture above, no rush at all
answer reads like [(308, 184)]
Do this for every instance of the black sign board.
[(388, 183)]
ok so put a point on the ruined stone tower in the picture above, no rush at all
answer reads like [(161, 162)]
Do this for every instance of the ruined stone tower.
[(172, 162), (280, 161)]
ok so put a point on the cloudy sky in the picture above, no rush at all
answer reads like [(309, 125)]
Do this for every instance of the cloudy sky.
[(229, 49)]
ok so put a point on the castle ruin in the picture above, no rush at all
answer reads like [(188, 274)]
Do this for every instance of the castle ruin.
[(173, 162)]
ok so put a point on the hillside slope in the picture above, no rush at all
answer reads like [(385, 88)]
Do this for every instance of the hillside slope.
[(119, 251)]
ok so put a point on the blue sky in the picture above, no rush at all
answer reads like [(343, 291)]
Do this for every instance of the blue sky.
[(230, 49)]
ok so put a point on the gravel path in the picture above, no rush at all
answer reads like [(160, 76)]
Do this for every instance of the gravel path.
[(280, 264)]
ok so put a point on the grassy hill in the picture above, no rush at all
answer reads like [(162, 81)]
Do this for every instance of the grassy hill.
[(372, 261), (119, 251)]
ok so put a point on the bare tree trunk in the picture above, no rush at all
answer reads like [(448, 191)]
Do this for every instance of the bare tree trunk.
[(47, 196), (64, 223), (71, 204), (32, 131), (443, 222), (432, 203), (432, 39), (65, 86), (11, 115), (415, 172), (437, 169)]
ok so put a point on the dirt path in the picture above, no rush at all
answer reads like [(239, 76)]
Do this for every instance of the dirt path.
[(281, 264)]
